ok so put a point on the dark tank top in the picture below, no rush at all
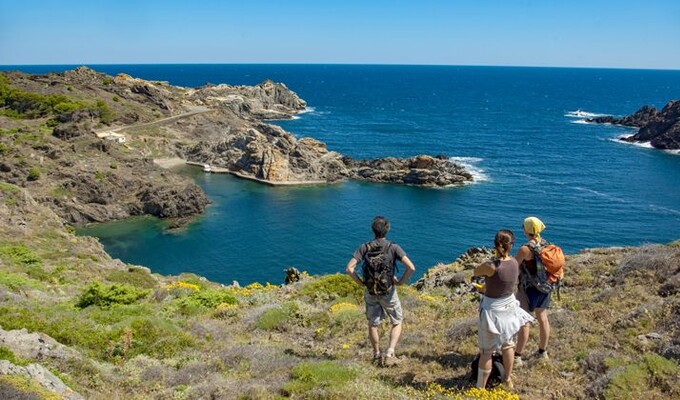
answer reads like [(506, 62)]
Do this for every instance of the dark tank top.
[(504, 281)]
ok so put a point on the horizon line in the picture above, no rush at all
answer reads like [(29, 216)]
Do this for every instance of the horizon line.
[(352, 64)]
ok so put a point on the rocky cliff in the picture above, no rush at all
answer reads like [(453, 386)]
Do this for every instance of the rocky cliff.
[(660, 128)]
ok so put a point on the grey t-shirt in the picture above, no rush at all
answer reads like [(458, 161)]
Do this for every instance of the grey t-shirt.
[(394, 253)]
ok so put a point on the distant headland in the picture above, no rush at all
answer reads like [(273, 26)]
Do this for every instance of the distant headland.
[(660, 128)]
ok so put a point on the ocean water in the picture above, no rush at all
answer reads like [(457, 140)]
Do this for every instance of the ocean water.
[(514, 127)]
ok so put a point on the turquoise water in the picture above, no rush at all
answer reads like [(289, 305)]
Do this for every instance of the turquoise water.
[(508, 124)]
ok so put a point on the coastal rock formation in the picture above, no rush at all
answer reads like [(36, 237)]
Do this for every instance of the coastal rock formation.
[(268, 100), (421, 170), (268, 152), (660, 128)]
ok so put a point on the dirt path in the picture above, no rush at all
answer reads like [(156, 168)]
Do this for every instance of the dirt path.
[(194, 111)]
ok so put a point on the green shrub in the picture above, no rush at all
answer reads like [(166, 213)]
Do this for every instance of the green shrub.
[(100, 176), (61, 322), (21, 256), (105, 296), (136, 277), (282, 317), (3, 148), (204, 300), (114, 165), (6, 354), (34, 174), (319, 375), (107, 80), (334, 287), (17, 282), (157, 338), (634, 381), (273, 318), (116, 99)]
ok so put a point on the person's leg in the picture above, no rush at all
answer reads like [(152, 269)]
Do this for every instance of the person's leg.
[(394, 337), (544, 328), (484, 368), (392, 307), (374, 315), (523, 334), (522, 338), (508, 362), (374, 337)]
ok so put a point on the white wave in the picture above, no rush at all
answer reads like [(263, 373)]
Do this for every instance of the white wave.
[(582, 122), (582, 114), (295, 117), (470, 164), (645, 145), (307, 110)]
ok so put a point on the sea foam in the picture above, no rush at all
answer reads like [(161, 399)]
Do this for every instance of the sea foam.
[(471, 164)]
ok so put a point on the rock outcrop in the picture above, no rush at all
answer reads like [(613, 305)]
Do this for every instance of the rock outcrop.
[(421, 170), (268, 152), (660, 128), (268, 100)]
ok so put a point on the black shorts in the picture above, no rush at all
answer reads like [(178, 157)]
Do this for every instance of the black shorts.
[(531, 298)]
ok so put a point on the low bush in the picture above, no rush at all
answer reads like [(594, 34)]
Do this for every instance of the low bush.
[(34, 174), (319, 375), (203, 300), (107, 295), (333, 287), (652, 374), (15, 282), (136, 277), (7, 354)]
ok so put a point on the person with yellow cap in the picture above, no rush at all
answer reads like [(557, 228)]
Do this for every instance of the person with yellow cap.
[(530, 298)]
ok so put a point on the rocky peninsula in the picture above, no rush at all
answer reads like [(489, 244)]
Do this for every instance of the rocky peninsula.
[(84, 143), (660, 128)]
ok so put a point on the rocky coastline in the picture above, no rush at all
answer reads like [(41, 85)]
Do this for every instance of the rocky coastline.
[(660, 128), (83, 143)]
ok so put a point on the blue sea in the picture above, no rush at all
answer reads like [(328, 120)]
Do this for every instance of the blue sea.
[(510, 125)]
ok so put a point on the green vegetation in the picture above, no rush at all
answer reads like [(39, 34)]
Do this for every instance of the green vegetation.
[(21, 387), (100, 176), (34, 174), (319, 375), (4, 148), (17, 103), (136, 277), (6, 354), (204, 300), (634, 381), (337, 286), (105, 296)]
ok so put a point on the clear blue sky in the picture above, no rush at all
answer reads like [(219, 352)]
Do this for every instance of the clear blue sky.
[(594, 33)]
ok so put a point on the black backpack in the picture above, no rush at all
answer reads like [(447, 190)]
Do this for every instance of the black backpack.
[(497, 370), (378, 269)]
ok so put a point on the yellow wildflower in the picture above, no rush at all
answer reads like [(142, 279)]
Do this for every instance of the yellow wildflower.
[(343, 307)]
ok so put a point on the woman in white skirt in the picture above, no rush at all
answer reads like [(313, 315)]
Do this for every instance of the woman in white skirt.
[(500, 316)]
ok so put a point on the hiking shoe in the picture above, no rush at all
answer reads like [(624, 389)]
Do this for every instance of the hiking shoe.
[(519, 363), (390, 358), (541, 356), (377, 359)]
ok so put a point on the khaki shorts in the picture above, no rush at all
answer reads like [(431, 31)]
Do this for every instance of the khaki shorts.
[(377, 307)]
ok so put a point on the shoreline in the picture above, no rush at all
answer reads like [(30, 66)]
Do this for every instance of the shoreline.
[(174, 162)]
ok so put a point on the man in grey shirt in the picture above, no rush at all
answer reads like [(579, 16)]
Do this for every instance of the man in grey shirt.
[(380, 305)]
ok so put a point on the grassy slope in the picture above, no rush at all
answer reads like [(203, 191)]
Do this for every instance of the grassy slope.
[(189, 338)]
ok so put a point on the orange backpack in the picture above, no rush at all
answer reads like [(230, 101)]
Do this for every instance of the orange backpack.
[(552, 259), (549, 267)]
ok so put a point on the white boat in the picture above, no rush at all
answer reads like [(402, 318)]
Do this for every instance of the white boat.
[(206, 168)]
